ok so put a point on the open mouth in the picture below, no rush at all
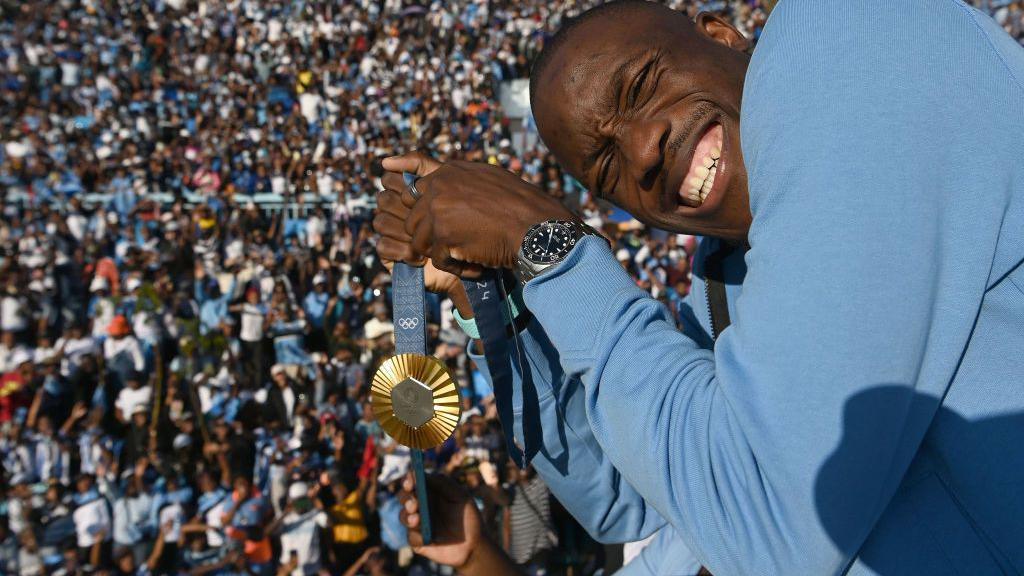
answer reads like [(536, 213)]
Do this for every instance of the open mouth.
[(704, 167)]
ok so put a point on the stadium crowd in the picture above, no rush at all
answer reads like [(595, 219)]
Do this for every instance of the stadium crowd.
[(184, 365)]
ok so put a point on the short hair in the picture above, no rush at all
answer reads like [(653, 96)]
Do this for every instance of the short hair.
[(552, 44)]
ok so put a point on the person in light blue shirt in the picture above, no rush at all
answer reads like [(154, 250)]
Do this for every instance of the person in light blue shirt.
[(859, 411), (213, 305), (315, 305)]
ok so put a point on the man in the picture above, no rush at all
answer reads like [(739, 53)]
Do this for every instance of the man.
[(299, 529), (841, 420)]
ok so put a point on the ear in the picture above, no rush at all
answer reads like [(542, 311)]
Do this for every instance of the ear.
[(721, 31)]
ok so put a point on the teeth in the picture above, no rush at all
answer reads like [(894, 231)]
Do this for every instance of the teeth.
[(706, 188), (698, 186)]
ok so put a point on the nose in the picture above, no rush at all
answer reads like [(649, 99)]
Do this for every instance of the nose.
[(642, 142)]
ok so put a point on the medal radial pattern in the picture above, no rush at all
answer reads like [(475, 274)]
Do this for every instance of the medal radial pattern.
[(399, 399)]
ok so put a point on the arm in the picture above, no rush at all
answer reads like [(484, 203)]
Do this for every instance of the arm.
[(96, 551), (230, 294), (801, 424), (138, 357), (569, 459), (79, 411), (229, 559), (663, 555), (358, 564), (158, 550), (197, 284), (33, 411)]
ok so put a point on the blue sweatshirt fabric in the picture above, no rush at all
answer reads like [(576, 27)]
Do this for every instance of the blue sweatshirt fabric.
[(569, 458), (863, 412)]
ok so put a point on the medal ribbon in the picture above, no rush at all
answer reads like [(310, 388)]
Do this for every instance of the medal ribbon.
[(486, 297), (410, 314)]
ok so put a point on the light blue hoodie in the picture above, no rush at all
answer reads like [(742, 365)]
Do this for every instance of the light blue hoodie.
[(864, 413)]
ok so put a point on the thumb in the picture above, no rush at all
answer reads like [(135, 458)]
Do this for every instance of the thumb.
[(414, 162)]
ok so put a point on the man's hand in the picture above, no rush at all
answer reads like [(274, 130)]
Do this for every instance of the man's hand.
[(469, 215), (459, 540), (455, 521)]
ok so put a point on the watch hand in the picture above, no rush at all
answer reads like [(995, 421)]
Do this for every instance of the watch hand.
[(551, 234)]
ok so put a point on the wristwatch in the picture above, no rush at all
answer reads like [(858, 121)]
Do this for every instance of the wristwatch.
[(546, 244)]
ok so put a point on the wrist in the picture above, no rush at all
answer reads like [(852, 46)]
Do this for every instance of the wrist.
[(486, 559), (461, 302)]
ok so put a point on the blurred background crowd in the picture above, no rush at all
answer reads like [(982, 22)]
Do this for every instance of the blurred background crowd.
[(191, 302)]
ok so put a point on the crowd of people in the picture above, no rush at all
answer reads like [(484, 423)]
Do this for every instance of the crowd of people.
[(184, 367)]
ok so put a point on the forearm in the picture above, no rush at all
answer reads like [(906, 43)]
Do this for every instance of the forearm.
[(487, 559), (570, 460)]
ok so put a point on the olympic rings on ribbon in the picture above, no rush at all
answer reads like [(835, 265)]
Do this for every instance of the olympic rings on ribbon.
[(408, 323)]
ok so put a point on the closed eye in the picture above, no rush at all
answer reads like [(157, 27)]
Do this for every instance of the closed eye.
[(603, 175), (638, 84)]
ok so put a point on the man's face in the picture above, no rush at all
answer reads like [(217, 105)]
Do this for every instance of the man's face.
[(639, 102)]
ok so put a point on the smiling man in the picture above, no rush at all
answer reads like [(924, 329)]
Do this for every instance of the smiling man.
[(861, 413)]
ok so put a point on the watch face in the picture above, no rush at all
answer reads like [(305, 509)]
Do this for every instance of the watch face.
[(549, 242)]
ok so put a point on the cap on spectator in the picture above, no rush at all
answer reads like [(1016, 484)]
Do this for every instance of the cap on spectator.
[(118, 326), (182, 441), (36, 286), (99, 283), (474, 411), (319, 278), (295, 444), (622, 255), (132, 284), (20, 356), (378, 329), (277, 369), (394, 469), (140, 409), (298, 490)]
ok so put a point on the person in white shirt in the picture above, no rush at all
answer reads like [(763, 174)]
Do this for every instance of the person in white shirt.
[(11, 353), (72, 346), (253, 315), (14, 312), (122, 352), (91, 516), (101, 308), (300, 529), (134, 395)]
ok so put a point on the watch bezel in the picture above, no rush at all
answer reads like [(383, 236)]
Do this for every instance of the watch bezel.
[(567, 229)]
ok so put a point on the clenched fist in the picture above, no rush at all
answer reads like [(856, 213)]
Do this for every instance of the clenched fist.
[(469, 215)]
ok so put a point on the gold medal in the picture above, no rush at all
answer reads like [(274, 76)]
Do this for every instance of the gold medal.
[(416, 400)]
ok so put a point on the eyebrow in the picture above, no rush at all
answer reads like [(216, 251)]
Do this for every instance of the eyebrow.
[(611, 97)]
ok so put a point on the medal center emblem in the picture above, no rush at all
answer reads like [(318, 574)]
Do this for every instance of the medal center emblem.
[(412, 402)]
